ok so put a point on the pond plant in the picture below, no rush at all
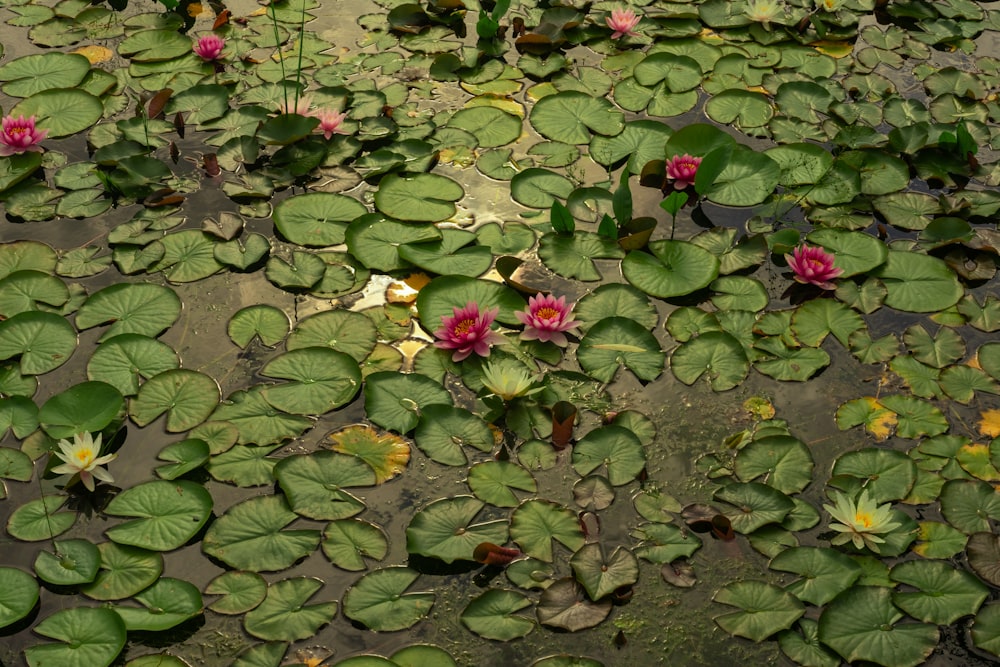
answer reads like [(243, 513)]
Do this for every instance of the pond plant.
[(378, 322)]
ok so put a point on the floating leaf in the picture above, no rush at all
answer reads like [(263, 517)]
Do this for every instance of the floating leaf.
[(969, 505), (284, 614), (18, 595), (316, 219), (74, 562), (240, 592), (168, 514), (612, 446), (715, 354), (444, 429), (825, 572), (492, 615), (89, 636), (249, 536), (314, 484), (87, 407), (494, 482), (565, 605), (124, 571), (188, 397), (755, 505), (166, 603), (784, 462), (764, 609), (122, 361), (348, 542), (379, 600), (675, 268), (394, 401), (884, 473), (536, 523), (602, 575), (443, 529), (419, 197), (42, 341), (39, 519), (571, 116), (918, 283), (943, 594)]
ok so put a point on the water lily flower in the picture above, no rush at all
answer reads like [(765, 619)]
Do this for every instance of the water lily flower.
[(209, 47), (763, 11), (861, 522), (683, 168), (18, 135), (813, 266), (329, 122), (546, 318), (508, 379), (81, 457), (621, 22), (468, 331), (829, 5)]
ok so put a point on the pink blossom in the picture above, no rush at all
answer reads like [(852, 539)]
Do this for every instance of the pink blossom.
[(546, 318), (329, 122), (814, 266), (468, 331), (621, 22), (209, 47), (18, 135), (682, 168)]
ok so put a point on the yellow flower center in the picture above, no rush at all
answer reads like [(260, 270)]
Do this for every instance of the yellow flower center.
[(17, 131), (85, 455), (464, 327), (547, 313), (863, 519)]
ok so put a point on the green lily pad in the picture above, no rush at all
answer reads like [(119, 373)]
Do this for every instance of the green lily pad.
[(188, 256), (284, 614), (813, 320), (41, 341), (572, 256), (614, 342), (917, 418), (617, 300), (18, 595), (301, 272), (240, 592), (87, 407), (571, 116), (379, 600), (123, 360), (168, 514), (166, 603), (986, 629), (63, 112), (242, 253), (800, 164), (342, 330), (244, 465), (536, 523), (15, 464), (256, 420), (443, 529), (918, 283), (23, 290), (142, 308), (394, 401), (124, 571), (423, 655), (314, 484), (943, 593), (268, 654), (753, 505), (494, 482), (249, 536), (784, 462), (825, 572), (347, 542), (155, 45), (664, 543), (451, 255), (268, 323), (316, 219), (969, 505), (641, 141), (862, 624), (884, 473), (855, 252), (746, 179), (88, 636), (715, 354), (805, 648), (535, 187), (74, 562), (187, 397), (939, 540), (492, 127), (675, 268), (602, 575), (39, 519), (612, 446), (764, 609), (34, 73), (185, 456), (418, 198), (321, 380), (492, 615), (374, 240)]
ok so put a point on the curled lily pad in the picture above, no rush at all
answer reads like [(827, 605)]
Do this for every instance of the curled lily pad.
[(764, 609), (444, 529), (492, 615), (87, 636), (379, 600), (74, 562), (284, 615)]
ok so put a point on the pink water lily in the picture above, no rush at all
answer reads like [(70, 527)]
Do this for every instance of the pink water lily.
[(468, 331), (330, 122), (209, 47), (18, 135), (546, 318), (813, 266), (682, 169), (622, 22)]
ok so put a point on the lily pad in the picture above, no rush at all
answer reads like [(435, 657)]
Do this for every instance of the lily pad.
[(825, 572), (782, 461), (250, 536), (419, 197), (764, 609), (41, 341), (970, 505), (715, 354), (348, 542), (87, 407), (674, 268), (320, 380), (88, 636), (386, 453), (565, 605), (74, 562), (314, 484), (494, 482), (918, 283), (536, 523), (492, 615), (166, 603), (571, 116), (124, 571), (284, 615), (443, 529), (379, 600), (754, 505), (122, 361), (602, 575), (39, 519), (612, 446), (187, 397), (342, 330), (142, 308), (614, 342), (943, 593), (168, 514), (18, 595), (240, 592), (316, 219)]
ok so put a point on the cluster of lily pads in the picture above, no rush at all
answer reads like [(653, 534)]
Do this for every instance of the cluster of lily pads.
[(860, 202)]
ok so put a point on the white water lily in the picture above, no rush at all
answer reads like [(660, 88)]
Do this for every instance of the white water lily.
[(860, 522), (508, 379), (764, 11), (829, 5), (81, 457)]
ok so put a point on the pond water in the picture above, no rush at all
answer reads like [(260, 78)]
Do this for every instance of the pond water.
[(224, 288)]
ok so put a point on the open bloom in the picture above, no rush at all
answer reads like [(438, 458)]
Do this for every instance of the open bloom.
[(81, 457), (813, 266), (468, 331), (546, 318), (18, 135), (829, 5), (682, 168), (508, 379), (621, 22), (209, 47), (861, 522), (763, 11), (329, 122)]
